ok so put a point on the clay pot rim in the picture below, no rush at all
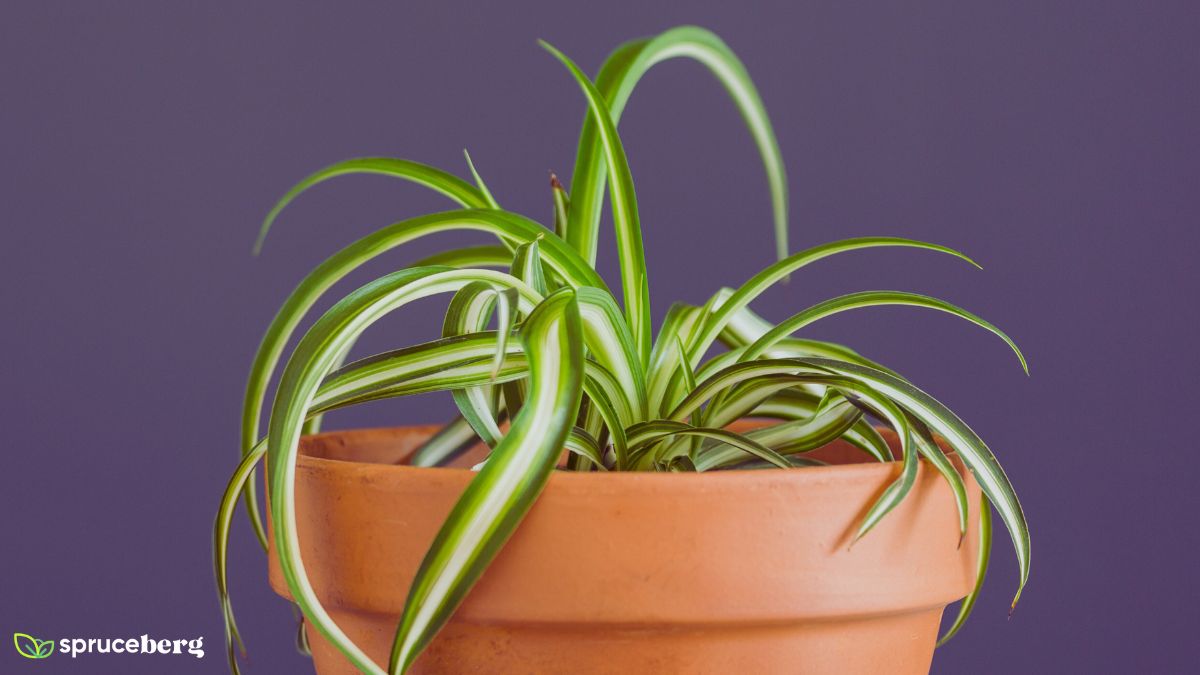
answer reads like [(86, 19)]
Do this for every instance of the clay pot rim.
[(867, 470), (804, 519)]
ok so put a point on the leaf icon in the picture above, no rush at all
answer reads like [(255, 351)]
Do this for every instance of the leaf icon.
[(31, 647)]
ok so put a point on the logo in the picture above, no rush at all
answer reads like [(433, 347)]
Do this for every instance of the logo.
[(31, 647)]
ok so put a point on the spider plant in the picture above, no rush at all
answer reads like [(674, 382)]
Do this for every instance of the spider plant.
[(534, 337)]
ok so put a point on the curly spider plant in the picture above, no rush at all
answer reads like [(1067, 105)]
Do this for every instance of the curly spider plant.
[(569, 364)]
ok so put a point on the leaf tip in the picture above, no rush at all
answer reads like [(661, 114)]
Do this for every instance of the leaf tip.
[(556, 52), (1016, 598), (259, 241), (857, 536)]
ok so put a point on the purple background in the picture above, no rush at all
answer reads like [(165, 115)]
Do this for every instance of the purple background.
[(140, 145)]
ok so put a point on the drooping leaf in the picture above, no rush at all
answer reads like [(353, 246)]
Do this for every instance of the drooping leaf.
[(789, 438), (311, 361), (713, 323), (422, 174), (224, 521), (745, 326), (898, 489), (928, 447), (973, 451), (868, 299), (510, 227), (739, 373), (616, 81), (468, 358), (498, 498), (981, 568), (798, 406), (470, 311)]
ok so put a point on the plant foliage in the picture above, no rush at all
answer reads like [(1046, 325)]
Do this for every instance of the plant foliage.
[(534, 337)]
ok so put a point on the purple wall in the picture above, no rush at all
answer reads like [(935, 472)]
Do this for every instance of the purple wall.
[(140, 145)]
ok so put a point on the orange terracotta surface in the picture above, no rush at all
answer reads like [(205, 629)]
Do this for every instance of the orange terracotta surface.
[(721, 572)]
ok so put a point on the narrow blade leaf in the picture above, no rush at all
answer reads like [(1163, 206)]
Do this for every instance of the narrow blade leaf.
[(630, 251), (498, 498), (616, 81)]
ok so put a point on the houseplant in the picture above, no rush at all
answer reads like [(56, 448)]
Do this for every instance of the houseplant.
[(660, 450)]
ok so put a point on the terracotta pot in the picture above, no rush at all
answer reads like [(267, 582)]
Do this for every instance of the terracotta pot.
[(722, 572)]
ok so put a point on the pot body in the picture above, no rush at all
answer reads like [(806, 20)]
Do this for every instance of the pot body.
[(721, 572)]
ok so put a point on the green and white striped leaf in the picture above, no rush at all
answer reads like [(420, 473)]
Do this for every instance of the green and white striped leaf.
[(498, 498), (616, 81), (580, 442), (630, 251), (610, 342), (221, 528), (527, 266), (470, 311), (603, 397), (510, 227), (488, 199), (312, 360), (463, 361), (929, 449), (422, 174), (405, 364), (470, 256), (973, 451), (745, 326), (562, 207), (643, 437), (744, 372), (797, 461), (452, 440), (981, 568), (867, 299), (798, 405), (823, 427), (313, 424), (404, 372), (714, 323), (895, 416), (665, 357)]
